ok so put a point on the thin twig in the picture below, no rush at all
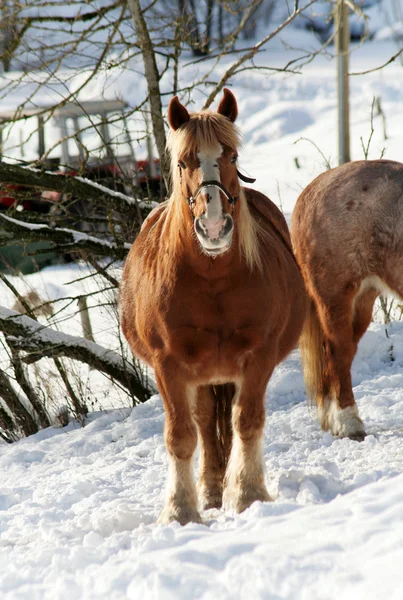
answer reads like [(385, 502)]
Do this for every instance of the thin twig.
[(326, 160), (392, 59)]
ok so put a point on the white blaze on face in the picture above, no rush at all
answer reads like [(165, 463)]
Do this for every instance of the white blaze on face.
[(209, 170), (213, 228)]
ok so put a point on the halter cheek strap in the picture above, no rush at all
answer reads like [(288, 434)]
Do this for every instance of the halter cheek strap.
[(244, 178)]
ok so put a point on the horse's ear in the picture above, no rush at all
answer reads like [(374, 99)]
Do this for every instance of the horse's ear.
[(177, 114), (228, 105)]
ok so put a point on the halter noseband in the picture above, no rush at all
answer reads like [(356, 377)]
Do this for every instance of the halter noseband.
[(214, 183)]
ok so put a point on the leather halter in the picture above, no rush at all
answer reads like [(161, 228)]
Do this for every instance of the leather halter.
[(244, 178), (214, 183)]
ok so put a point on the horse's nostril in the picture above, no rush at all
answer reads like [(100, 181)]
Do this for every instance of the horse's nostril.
[(227, 227)]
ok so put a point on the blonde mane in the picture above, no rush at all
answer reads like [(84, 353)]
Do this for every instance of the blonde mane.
[(202, 132)]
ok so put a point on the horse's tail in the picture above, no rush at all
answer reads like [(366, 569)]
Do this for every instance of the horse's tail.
[(224, 395), (312, 347)]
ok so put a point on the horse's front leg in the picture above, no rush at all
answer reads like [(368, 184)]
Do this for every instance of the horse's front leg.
[(244, 479), (180, 441)]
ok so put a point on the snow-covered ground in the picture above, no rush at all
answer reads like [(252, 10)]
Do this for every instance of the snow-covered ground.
[(78, 507)]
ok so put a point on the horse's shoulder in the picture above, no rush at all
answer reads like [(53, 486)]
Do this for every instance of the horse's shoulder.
[(263, 207)]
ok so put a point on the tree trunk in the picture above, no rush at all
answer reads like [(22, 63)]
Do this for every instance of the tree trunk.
[(209, 19), (153, 78)]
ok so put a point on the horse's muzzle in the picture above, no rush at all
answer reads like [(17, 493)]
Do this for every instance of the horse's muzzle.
[(215, 235)]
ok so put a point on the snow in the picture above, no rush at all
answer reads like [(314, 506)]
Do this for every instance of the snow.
[(78, 506)]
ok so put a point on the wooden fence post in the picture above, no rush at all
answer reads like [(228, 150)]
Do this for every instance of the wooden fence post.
[(342, 50)]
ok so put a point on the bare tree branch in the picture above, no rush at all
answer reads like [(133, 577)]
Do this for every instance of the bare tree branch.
[(392, 59), (66, 240), (249, 55), (38, 341), (14, 403), (66, 184)]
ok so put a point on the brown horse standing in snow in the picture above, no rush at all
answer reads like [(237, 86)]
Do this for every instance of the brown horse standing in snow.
[(347, 232), (213, 300)]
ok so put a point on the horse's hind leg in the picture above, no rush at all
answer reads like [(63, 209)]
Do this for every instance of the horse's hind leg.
[(344, 324), (180, 441), (212, 459), (245, 474), (363, 308)]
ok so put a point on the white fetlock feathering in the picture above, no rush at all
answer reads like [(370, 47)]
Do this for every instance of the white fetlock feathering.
[(343, 422)]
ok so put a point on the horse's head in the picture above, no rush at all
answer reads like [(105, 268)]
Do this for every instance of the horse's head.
[(204, 148)]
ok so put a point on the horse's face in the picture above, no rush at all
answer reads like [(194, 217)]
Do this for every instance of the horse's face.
[(209, 182), (212, 209)]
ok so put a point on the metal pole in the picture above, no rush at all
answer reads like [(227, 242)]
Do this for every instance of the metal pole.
[(342, 49), (41, 136)]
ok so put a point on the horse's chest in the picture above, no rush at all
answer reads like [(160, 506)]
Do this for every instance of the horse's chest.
[(212, 327)]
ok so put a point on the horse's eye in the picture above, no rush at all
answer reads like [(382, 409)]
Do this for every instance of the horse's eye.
[(234, 159), (181, 164)]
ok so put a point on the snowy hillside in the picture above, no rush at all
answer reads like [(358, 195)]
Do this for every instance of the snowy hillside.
[(78, 507)]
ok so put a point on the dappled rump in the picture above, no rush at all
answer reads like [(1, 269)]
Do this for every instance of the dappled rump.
[(347, 232), (212, 299)]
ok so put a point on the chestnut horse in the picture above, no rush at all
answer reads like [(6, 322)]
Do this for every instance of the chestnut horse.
[(347, 233), (213, 300)]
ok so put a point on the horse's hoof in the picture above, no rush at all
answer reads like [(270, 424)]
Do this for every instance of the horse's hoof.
[(182, 515), (208, 503), (241, 500), (211, 498), (342, 422)]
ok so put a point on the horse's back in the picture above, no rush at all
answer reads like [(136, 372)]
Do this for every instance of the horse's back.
[(348, 220), (264, 208), (367, 188)]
